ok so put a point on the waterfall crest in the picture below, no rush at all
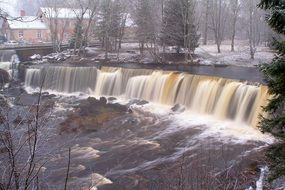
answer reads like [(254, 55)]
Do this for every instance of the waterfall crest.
[(223, 98), (62, 79)]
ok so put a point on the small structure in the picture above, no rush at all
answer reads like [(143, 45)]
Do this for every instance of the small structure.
[(26, 29)]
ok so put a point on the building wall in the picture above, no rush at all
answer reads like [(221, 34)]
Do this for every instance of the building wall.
[(29, 35)]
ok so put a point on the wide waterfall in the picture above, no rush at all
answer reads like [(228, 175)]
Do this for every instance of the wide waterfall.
[(62, 79), (222, 98), (9, 62)]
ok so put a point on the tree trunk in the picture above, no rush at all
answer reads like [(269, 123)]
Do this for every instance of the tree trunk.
[(251, 36), (142, 48), (233, 43), (235, 16), (219, 47), (106, 46), (206, 24), (219, 35)]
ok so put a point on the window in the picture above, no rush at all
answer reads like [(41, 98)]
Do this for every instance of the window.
[(21, 33), (39, 34)]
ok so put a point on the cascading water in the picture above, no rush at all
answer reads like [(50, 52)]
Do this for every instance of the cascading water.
[(9, 62), (225, 99), (108, 84), (62, 79)]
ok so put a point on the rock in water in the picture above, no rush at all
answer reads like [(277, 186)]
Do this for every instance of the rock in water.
[(103, 100), (3, 102), (178, 108), (137, 102), (4, 76), (111, 99), (91, 114)]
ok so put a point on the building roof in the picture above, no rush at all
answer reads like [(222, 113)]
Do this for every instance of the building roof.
[(63, 13), (27, 22)]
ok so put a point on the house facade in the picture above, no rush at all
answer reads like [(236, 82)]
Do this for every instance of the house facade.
[(28, 29)]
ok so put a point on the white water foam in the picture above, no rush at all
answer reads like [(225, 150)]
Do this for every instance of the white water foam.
[(224, 130), (260, 181)]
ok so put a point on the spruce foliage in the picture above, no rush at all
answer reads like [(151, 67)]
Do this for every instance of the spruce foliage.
[(275, 76), (179, 27), (77, 37)]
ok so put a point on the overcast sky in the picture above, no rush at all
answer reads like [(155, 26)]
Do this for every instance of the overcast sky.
[(10, 6)]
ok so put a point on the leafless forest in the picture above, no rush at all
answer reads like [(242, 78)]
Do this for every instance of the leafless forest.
[(158, 24)]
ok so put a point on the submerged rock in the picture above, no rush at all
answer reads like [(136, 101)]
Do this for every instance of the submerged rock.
[(4, 76), (14, 90), (103, 100), (3, 102), (137, 102), (111, 99), (178, 108), (25, 99), (91, 114)]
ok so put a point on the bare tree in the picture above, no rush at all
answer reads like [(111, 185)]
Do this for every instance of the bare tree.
[(206, 25), (252, 41), (111, 25), (21, 174), (52, 16), (218, 21), (235, 6), (146, 22)]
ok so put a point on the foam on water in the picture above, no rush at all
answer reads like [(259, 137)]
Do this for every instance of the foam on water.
[(224, 130), (5, 65)]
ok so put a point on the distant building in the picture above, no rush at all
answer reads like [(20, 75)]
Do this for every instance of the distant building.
[(64, 19), (26, 29)]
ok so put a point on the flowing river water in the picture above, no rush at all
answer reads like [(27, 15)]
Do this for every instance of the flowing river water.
[(191, 132), (195, 132)]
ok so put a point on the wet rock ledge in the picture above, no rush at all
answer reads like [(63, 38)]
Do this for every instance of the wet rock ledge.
[(91, 114)]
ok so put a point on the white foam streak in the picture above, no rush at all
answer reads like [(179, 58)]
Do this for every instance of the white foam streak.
[(223, 130)]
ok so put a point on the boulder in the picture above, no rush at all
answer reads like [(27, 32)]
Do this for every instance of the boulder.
[(91, 114), (178, 108), (111, 99), (137, 102), (3, 102), (103, 100), (4, 76)]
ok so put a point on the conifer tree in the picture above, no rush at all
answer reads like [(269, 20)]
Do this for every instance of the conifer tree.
[(179, 25), (110, 23), (275, 75), (146, 23), (77, 36)]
